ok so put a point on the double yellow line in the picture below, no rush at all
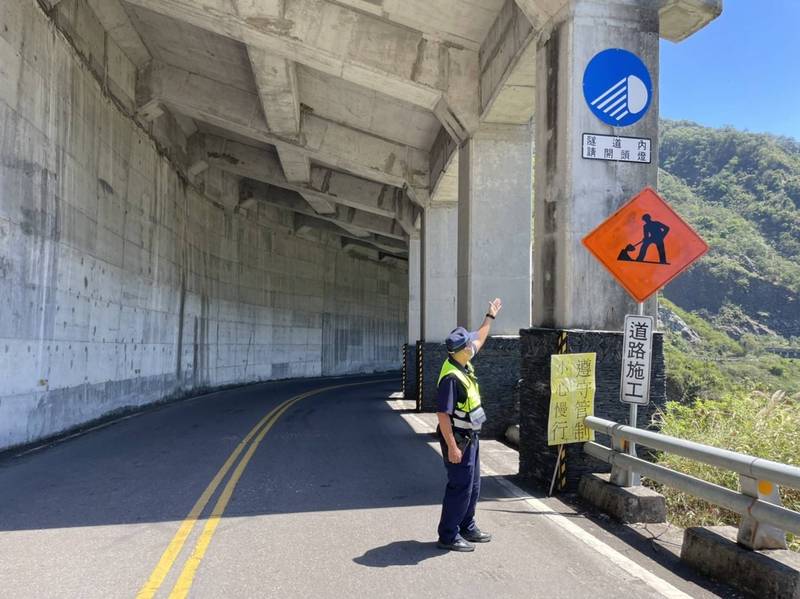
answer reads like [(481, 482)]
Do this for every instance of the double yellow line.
[(250, 443)]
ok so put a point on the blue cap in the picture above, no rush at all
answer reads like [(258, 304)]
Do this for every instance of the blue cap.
[(459, 338)]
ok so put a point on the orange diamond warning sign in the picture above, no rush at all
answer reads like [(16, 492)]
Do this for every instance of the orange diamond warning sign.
[(645, 244)]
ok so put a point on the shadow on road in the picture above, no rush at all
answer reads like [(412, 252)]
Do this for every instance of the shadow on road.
[(399, 553)]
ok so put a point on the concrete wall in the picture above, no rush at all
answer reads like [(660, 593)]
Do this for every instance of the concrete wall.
[(120, 285), (440, 257), (494, 227)]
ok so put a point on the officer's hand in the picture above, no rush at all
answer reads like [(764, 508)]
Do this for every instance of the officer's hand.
[(495, 306), (454, 454)]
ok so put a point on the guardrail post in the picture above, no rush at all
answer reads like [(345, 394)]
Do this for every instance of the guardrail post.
[(752, 533), (619, 476)]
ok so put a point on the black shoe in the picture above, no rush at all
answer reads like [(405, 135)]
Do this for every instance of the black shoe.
[(458, 544), (477, 536)]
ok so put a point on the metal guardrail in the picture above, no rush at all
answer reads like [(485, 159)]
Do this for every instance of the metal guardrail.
[(764, 521)]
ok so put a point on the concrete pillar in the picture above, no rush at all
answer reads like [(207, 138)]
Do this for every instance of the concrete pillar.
[(494, 226), (439, 263), (414, 289), (574, 195)]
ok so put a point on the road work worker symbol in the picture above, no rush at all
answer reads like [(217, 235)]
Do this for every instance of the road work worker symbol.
[(653, 234), (645, 244)]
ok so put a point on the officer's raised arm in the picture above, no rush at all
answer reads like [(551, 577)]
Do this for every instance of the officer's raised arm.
[(483, 332)]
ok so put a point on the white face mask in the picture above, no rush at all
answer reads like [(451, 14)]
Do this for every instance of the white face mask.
[(470, 348)]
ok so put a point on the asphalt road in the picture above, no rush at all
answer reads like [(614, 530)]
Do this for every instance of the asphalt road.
[(337, 495)]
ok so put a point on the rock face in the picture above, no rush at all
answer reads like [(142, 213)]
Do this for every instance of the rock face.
[(669, 320), (736, 324), (741, 191), (769, 306)]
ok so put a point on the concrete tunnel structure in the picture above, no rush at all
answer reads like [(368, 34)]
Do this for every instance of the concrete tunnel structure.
[(201, 193)]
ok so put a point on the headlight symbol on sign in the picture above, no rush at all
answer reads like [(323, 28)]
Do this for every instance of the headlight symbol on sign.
[(617, 87)]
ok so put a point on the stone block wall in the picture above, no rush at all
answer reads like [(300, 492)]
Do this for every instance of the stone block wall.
[(121, 284), (497, 368), (433, 356), (537, 460)]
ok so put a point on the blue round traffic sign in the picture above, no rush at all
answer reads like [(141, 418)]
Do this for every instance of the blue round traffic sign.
[(617, 87)]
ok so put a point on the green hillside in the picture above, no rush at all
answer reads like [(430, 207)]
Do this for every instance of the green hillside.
[(741, 191), (729, 317)]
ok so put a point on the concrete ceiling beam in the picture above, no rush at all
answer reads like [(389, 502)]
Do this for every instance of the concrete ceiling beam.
[(295, 163), (276, 81), (356, 46), (323, 141), (149, 109), (325, 189), (342, 215), (540, 12), (320, 205), (678, 18), (116, 22), (361, 249), (435, 20), (187, 125), (507, 52), (443, 152), (311, 222)]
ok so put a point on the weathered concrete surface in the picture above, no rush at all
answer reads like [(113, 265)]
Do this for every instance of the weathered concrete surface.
[(626, 504), (414, 289), (123, 285), (771, 574), (573, 195), (494, 227), (213, 102), (440, 258), (324, 185), (682, 18), (355, 46), (508, 67)]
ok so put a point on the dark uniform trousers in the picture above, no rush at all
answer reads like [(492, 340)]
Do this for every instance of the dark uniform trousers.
[(462, 491)]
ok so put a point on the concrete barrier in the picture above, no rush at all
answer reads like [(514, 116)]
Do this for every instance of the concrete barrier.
[(767, 574), (626, 504)]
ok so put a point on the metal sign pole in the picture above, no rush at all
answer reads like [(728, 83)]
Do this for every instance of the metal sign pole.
[(634, 477)]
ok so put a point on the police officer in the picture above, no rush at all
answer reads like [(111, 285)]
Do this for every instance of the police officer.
[(460, 418)]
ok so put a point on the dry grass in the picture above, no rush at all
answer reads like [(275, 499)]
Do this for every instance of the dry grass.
[(755, 423)]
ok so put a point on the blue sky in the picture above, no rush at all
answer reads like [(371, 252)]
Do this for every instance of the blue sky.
[(743, 69)]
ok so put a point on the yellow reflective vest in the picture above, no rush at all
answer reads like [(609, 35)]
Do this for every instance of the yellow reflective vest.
[(461, 411)]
